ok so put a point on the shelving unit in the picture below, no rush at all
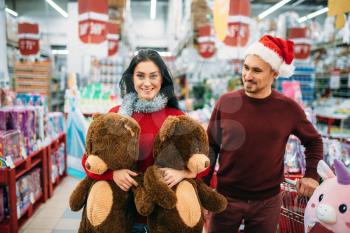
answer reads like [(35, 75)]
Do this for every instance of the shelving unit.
[(54, 146), (9, 176)]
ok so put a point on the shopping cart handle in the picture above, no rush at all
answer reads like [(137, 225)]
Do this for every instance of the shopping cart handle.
[(289, 181)]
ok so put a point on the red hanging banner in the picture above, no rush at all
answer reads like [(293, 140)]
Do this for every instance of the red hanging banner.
[(93, 17), (113, 38), (28, 34), (238, 23), (206, 41), (302, 43)]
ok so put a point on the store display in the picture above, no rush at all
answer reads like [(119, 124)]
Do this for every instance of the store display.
[(58, 163), (10, 146), (56, 124), (294, 157), (28, 190)]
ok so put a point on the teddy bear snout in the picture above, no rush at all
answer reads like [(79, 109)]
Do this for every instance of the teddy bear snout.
[(96, 165), (198, 163)]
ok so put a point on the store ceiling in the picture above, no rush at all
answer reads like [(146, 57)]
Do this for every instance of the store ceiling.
[(39, 8)]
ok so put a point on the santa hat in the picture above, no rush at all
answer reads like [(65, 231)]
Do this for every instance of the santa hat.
[(277, 52)]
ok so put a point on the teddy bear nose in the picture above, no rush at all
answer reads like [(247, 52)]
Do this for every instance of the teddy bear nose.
[(206, 164), (87, 165)]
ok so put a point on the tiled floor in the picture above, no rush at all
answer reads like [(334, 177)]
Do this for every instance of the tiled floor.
[(55, 215)]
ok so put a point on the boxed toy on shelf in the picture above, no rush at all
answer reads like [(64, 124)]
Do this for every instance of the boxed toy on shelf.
[(10, 146), (58, 163), (56, 124), (28, 189)]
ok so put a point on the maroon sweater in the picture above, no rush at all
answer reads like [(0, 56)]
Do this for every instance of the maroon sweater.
[(251, 135)]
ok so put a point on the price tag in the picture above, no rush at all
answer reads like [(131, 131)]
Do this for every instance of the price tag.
[(9, 162), (334, 82), (24, 152), (18, 211), (32, 199)]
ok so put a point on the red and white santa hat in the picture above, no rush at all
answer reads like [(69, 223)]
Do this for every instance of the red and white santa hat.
[(277, 52)]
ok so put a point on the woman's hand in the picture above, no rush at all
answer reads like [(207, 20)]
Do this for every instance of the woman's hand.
[(123, 178), (172, 176)]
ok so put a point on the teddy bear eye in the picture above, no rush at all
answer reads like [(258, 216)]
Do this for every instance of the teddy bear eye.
[(343, 208), (320, 198)]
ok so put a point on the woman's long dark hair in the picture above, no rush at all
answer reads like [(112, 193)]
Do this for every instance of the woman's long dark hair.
[(126, 84)]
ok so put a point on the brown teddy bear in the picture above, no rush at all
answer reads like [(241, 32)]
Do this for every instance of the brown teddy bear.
[(181, 144), (111, 143)]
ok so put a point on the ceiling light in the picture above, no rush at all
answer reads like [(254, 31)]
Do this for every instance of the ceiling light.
[(312, 15), (165, 54), (272, 9), (60, 51), (12, 12), (153, 10), (57, 8)]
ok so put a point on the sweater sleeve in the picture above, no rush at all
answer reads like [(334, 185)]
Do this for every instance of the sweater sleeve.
[(311, 140), (214, 137), (108, 175)]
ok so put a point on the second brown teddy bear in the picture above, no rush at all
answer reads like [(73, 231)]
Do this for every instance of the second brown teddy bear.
[(180, 144)]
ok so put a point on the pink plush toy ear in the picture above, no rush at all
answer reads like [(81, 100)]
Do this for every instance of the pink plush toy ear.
[(324, 171)]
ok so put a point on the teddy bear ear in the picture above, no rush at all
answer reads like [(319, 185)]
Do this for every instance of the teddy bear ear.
[(168, 128), (96, 115), (129, 127)]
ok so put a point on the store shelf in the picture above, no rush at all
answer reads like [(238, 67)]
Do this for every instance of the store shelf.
[(328, 45), (54, 146), (9, 176)]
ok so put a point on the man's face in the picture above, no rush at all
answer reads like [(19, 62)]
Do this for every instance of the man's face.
[(257, 77)]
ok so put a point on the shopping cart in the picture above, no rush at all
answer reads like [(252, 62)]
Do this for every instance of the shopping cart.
[(292, 210)]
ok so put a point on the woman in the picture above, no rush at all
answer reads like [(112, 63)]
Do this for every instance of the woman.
[(148, 97)]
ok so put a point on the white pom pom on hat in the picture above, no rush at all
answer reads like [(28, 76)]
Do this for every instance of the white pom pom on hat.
[(275, 51)]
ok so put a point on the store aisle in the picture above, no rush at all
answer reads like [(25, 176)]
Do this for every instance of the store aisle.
[(55, 215)]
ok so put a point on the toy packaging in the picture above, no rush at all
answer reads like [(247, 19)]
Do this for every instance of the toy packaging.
[(6, 122), (10, 145)]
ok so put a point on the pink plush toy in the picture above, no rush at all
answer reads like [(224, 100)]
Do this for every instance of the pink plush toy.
[(329, 206)]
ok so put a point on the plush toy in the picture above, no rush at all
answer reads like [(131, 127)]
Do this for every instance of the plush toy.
[(328, 210), (111, 143), (181, 144)]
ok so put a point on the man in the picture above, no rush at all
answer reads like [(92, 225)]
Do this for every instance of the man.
[(249, 128)]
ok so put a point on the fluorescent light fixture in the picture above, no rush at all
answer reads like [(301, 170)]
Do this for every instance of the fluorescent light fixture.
[(313, 15), (162, 54), (57, 8), (60, 51), (12, 12), (153, 9), (273, 8), (165, 54)]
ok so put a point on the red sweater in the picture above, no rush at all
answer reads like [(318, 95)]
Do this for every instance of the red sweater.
[(251, 135)]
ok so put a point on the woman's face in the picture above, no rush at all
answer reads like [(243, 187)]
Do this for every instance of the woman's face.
[(147, 80)]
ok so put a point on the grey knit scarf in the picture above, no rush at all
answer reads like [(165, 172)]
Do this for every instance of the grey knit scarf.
[(131, 103)]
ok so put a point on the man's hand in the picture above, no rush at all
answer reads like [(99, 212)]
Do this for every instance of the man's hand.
[(306, 186)]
